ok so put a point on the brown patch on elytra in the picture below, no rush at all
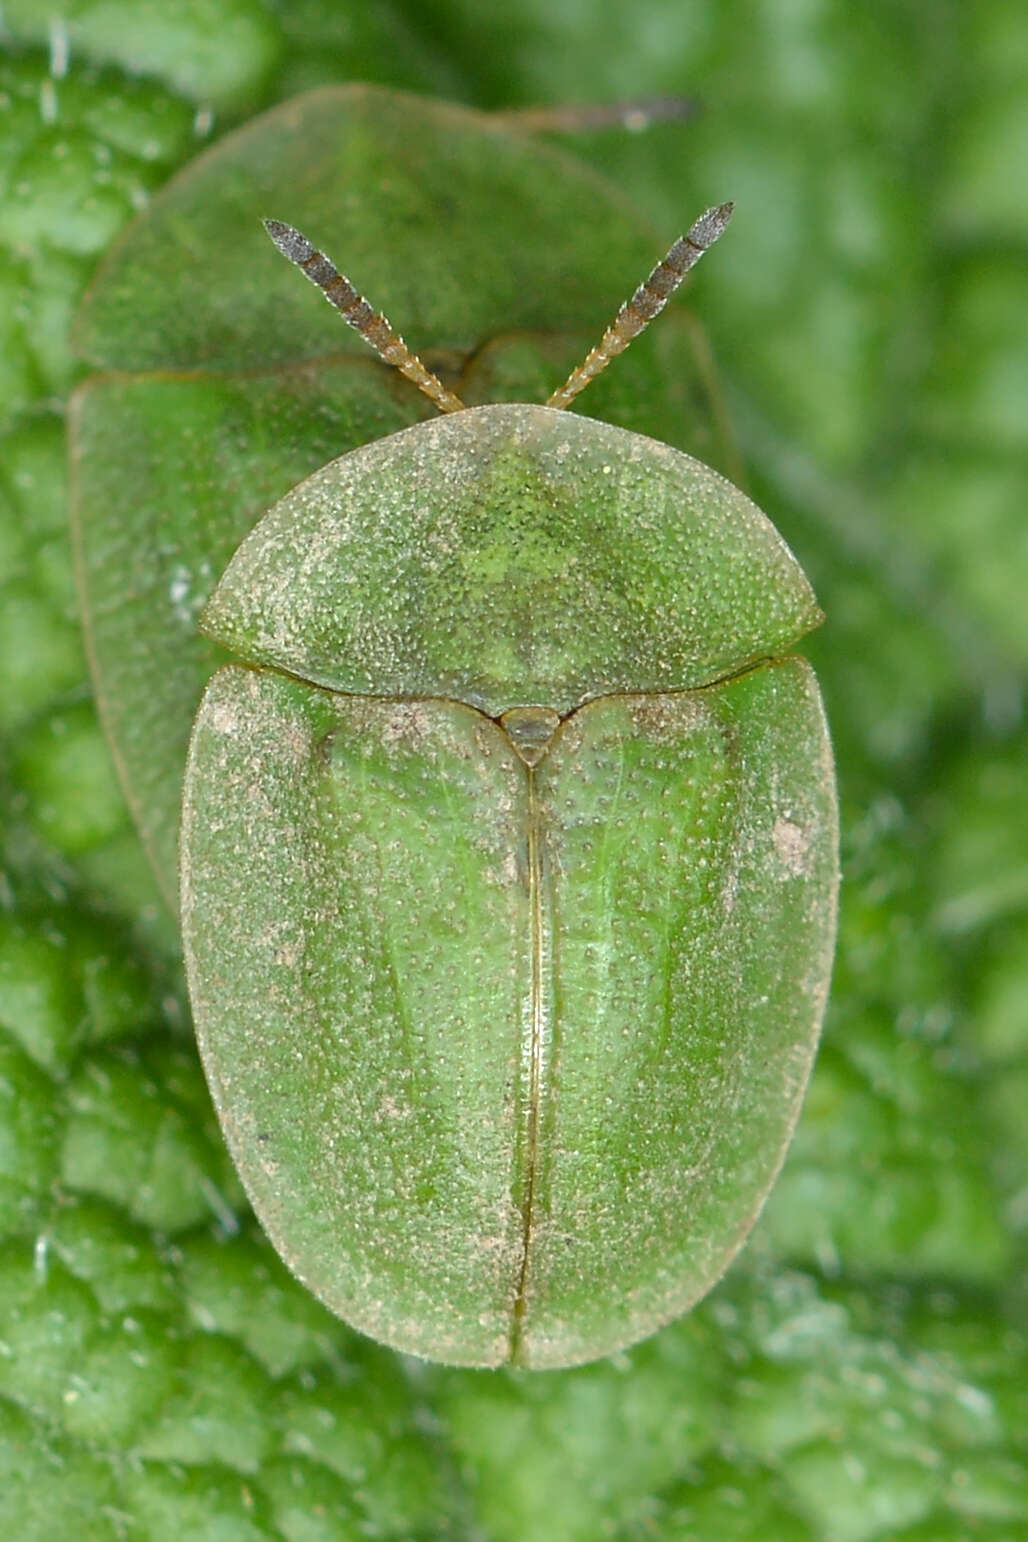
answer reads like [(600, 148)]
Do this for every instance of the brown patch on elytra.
[(295, 743), (391, 1109), (405, 723), (224, 718), (792, 845), (661, 716)]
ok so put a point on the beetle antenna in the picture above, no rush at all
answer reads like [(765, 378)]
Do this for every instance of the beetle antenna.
[(354, 309), (648, 301)]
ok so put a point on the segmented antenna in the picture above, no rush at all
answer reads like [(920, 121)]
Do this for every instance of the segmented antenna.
[(354, 309), (648, 301)]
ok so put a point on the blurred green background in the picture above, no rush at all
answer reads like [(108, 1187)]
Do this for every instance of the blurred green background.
[(862, 1372)]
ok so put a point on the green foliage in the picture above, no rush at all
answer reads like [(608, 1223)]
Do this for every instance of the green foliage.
[(861, 1373)]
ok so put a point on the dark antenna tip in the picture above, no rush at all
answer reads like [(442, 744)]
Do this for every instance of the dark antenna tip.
[(290, 242), (710, 225)]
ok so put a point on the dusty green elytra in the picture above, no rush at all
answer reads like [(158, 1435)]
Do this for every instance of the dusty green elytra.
[(510, 864), (511, 837)]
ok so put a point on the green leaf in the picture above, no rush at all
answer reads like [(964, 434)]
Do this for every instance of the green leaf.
[(862, 1372)]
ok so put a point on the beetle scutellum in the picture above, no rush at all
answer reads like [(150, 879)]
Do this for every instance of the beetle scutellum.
[(513, 836)]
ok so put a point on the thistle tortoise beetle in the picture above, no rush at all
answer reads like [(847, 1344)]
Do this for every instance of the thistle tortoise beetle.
[(476, 1002), (512, 838)]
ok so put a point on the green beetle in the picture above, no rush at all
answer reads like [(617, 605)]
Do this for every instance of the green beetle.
[(508, 867), (518, 846)]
